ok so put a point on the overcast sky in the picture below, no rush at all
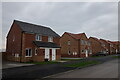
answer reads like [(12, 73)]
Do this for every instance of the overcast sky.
[(97, 19)]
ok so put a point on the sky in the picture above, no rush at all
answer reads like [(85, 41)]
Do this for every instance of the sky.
[(96, 19)]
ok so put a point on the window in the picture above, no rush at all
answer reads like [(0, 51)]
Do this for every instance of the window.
[(68, 52), (28, 52), (82, 42), (13, 38), (82, 51), (50, 39), (36, 51), (68, 42), (90, 51), (16, 55), (38, 37), (89, 43)]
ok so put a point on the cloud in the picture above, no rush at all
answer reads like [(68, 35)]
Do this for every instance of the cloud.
[(95, 19)]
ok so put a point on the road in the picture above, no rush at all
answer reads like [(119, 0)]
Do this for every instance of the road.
[(105, 70)]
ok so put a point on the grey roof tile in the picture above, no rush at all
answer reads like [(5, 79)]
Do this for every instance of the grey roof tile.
[(38, 29), (46, 44)]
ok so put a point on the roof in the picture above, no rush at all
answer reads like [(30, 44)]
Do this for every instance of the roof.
[(38, 29), (76, 36), (96, 39), (46, 44), (107, 41)]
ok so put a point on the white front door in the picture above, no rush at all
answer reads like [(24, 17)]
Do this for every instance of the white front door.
[(86, 53), (47, 53), (53, 54)]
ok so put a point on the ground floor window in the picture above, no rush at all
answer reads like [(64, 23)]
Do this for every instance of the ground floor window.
[(28, 52), (68, 52), (36, 51)]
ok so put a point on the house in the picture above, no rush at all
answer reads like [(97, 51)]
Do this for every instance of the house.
[(109, 46), (116, 46), (29, 42), (97, 45), (75, 45)]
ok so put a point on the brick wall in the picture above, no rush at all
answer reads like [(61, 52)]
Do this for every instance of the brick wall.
[(13, 45), (96, 46)]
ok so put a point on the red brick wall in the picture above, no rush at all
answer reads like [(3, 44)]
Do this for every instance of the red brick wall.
[(107, 45), (96, 46), (13, 47), (65, 47), (23, 41), (74, 43), (28, 43)]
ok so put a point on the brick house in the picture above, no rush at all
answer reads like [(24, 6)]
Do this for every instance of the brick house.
[(97, 45), (109, 46), (115, 45), (29, 42), (75, 45)]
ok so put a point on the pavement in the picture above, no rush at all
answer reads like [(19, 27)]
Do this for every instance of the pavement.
[(9, 64), (106, 70)]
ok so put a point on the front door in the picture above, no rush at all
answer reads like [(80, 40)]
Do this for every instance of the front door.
[(53, 54), (86, 53), (47, 53)]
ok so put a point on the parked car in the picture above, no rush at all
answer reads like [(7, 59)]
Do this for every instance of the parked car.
[(100, 54)]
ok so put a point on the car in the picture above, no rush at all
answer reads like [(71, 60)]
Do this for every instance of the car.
[(100, 54)]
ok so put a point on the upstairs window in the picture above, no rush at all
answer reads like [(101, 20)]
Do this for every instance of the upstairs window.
[(50, 39), (38, 37), (28, 52), (68, 42), (82, 42), (89, 43)]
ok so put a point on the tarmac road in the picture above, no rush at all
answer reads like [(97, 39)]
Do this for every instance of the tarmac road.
[(106, 70)]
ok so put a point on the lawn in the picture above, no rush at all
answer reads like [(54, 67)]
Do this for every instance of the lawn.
[(48, 62), (116, 56), (69, 59), (81, 64), (97, 56)]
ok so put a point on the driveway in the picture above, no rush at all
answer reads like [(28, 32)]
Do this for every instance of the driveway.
[(106, 70), (10, 64)]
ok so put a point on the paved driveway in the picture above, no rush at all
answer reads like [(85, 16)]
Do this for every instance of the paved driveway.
[(9, 64), (106, 70)]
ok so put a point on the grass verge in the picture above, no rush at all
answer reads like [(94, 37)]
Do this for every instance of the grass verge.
[(69, 59), (116, 56), (81, 64), (49, 62)]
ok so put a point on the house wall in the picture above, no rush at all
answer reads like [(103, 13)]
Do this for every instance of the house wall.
[(73, 47), (107, 45), (13, 44), (28, 43), (23, 41), (96, 46), (84, 46)]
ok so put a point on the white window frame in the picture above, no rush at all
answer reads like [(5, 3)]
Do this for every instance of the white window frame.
[(69, 42), (13, 38), (38, 37), (36, 52), (83, 51), (28, 52), (69, 52), (50, 39)]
